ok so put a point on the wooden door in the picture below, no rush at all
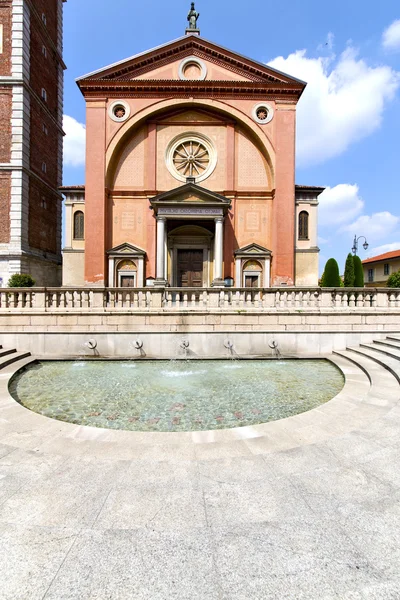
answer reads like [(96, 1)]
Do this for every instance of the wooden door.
[(190, 268), (127, 281), (251, 281)]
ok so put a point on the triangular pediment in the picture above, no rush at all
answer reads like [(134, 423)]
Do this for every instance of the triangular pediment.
[(190, 194), (253, 250), (224, 64), (127, 249)]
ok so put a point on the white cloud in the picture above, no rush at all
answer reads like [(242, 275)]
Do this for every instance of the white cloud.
[(391, 36), (375, 226), (342, 103), (339, 205), (74, 142), (383, 249)]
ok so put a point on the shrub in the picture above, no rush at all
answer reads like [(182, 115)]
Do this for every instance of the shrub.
[(358, 272), (331, 277), (348, 279), (394, 280), (20, 280)]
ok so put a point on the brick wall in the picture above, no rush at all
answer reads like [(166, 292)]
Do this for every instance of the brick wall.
[(5, 20), (5, 192), (42, 217), (44, 69), (5, 124), (49, 9), (43, 146)]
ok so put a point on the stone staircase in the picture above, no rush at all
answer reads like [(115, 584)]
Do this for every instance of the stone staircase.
[(380, 361), (10, 359)]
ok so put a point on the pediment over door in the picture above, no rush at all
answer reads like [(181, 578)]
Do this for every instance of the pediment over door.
[(191, 201), (126, 250)]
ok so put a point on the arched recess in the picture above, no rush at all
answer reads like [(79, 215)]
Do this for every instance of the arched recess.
[(124, 134)]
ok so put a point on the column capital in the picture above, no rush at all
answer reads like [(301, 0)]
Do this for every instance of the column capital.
[(219, 219), (161, 218)]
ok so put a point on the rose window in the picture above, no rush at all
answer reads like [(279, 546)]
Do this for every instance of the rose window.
[(191, 159), (191, 156), (262, 114)]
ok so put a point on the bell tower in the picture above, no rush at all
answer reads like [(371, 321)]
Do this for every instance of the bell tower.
[(31, 112)]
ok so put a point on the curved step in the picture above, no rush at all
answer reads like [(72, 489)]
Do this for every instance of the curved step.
[(12, 358), (393, 338), (386, 350), (391, 364), (5, 352), (387, 343)]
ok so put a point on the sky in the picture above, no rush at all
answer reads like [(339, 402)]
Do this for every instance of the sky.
[(348, 119)]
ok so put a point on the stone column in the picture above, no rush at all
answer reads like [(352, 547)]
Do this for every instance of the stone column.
[(218, 252), (161, 243)]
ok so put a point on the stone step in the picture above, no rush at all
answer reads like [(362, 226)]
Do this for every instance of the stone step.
[(393, 338), (376, 373), (386, 350), (391, 364), (387, 342), (12, 358), (5, 352), (11, 368)]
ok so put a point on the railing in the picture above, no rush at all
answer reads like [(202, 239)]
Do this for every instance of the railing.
[(198, 299)]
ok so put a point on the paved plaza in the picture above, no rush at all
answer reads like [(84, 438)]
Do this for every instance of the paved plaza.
[(303, 508)]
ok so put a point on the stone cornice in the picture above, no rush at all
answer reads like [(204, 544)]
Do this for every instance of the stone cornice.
[(201, 89)]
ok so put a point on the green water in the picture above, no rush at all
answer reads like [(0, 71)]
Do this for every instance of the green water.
[(175, 395)]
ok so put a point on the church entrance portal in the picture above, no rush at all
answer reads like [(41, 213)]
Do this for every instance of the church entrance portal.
[(190, 268)]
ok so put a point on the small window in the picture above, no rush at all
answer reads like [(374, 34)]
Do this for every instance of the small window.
[(44, 167), (44, 95), (44, 129), (370, 275), (79, 223), (44, 18), (386, 269), (43, 202), (44, 51), (303, 225)]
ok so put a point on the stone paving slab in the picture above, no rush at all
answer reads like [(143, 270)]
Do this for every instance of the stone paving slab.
[(306, 508)]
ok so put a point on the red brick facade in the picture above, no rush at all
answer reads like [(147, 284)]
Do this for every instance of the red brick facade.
[(5, 124), (5, 189), (5, 20), (42, 217)]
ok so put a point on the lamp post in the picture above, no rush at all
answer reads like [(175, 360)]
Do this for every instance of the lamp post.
[(355, 244)]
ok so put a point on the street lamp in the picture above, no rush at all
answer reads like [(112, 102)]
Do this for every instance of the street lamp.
[(355, 244)]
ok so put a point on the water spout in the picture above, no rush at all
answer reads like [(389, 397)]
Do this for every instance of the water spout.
[(274, 347), (92, 345), (138, 344), (229, 346), (184, 345)]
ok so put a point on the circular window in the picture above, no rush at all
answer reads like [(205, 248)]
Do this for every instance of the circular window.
[(119, 111), (263, 113), (192, 68), (191, 155)]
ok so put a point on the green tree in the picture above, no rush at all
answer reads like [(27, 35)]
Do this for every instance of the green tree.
[(394, 280), (348, 279), (20, 280), (331, 277), (358, 272)]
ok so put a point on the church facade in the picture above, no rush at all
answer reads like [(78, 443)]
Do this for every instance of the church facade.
[(190, 167)]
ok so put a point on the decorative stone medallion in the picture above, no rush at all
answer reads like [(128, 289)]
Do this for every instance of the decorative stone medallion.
[(191, 155), (263, 113), (192, 69), (119, 111)]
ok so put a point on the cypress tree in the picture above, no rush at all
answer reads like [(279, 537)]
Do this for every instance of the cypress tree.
[(331, 274), (349, 275), (358, 272)]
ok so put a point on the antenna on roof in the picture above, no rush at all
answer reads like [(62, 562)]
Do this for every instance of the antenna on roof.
[(192, 18)]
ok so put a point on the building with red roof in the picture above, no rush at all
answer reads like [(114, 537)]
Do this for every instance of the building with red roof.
[(378, 268)]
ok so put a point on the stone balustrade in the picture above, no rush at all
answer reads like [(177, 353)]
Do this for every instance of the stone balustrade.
[(198, 299)]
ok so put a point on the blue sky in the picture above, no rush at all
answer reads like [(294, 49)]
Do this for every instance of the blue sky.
[(348, 118)]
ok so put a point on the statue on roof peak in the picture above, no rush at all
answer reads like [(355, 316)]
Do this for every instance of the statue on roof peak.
[(192, 17)]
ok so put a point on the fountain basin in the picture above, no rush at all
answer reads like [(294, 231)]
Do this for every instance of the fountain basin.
[(175, 395)]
